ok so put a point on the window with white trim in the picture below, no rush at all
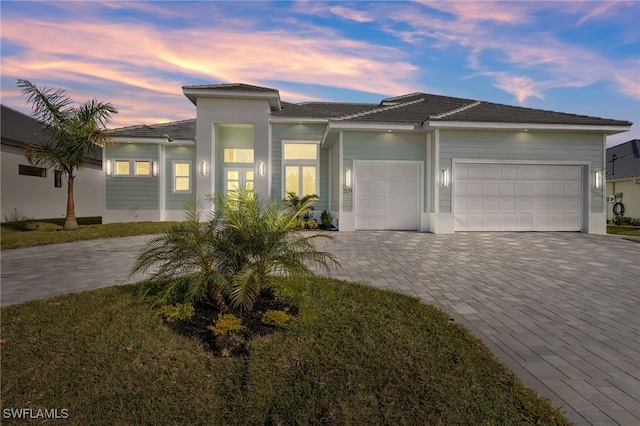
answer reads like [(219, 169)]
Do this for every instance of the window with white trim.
[(181, 176), (301, 164), (126, 167), (238, 155)]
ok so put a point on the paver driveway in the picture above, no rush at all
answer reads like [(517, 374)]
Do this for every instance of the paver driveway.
[(560, 309)]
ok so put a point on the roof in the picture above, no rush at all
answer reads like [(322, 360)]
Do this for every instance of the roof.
[(20, 130), (623, 161), (408, 111), (420, 108), (233, 91), (175, 130), (233, 87)]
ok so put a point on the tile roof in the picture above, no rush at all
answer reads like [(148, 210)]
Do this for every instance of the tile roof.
[(233, 87), (417, 108), (20, 130), (326, 110), (175, 130), (627, 160)]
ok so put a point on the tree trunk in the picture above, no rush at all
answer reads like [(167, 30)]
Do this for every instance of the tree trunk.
[(70, 222)]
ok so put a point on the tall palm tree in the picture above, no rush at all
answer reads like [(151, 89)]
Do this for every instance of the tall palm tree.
[(73, 133)]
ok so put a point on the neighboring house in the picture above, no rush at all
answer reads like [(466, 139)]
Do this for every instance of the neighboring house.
[(413, 162), (35, 192), (623, 180)]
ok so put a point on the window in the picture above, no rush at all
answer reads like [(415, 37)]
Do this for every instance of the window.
[(181, 176), (143, 168), (128, 167), (301, 168), (238, 155), (57, 180), (122, 167), (238, 178), (32, 171)]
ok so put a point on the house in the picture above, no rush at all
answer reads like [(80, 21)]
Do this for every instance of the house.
[(413, 162), (35, 192), (623, 180)]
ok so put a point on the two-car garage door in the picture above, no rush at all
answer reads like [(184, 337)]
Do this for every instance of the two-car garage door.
[(517, 197)]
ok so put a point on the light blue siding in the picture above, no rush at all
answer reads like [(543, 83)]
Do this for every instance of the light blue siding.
[(178, 201), (521, 146), (131, 193), (335, 176), (374, 146)]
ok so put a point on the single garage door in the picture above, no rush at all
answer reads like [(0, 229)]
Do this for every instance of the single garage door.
[(517, 197), (386, 196)]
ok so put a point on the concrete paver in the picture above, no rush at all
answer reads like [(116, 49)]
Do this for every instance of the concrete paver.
[(562, 310)]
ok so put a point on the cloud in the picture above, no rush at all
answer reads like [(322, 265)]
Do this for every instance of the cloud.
[(351, 14), (152, 63)]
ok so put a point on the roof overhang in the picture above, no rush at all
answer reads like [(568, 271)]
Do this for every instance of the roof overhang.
[(298, 120), (335, 127), (152, 141), (193, 93), (608, 129)]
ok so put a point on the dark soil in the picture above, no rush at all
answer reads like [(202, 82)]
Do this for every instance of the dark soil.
[(236, 344)]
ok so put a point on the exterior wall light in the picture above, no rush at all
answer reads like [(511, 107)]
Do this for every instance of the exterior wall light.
[(446, 178), (204, 168), (597, 179), (154, 169), (347, 178), (108, 167), (260, 168)]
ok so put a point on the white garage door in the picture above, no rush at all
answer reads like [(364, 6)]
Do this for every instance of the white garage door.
[(517, 197), (386, 196)]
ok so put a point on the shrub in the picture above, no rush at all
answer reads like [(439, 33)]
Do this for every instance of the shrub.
[(327, 220), (178, 312), (226, 324), (276, 318), (626, 221)]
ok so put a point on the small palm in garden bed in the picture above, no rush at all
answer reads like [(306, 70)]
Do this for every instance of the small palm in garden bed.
[(224, 333)]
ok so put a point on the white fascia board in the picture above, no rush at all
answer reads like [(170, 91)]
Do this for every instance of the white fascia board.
[(193, 94), (153, 141), (610, 130), (374, 127), (298, 120)]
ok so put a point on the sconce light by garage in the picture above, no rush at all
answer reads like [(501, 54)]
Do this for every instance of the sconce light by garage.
[(260, 168), (108, 167), (446, 178), (155, 168), (347, 178), (204, 168), (597, 179)]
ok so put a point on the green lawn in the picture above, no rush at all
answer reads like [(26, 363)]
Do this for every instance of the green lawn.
[(631, 233), (11, 237), (354, 355)]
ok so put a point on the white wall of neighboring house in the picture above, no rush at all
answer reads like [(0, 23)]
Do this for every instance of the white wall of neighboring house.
[(629, 189), (38, 198)]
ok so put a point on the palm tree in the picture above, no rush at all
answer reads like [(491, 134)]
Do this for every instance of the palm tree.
[(72, 134), (228, 260)]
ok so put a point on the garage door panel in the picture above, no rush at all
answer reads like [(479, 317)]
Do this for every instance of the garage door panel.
[(517, 197), (386, 196)]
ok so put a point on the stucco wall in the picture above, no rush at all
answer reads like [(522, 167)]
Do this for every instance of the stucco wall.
[(37, 198), (630, 191)]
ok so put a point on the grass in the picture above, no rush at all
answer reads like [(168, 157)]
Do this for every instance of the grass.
[(354, 355), (13, 234), (631, 233)]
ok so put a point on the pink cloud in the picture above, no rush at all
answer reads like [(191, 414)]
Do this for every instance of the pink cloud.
[(139, 58)]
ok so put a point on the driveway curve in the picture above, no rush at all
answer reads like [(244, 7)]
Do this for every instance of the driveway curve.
[(562, 310)]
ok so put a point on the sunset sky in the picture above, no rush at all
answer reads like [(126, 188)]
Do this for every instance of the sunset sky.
[(580, 57)]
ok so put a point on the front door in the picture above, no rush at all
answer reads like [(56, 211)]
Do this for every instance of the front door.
[(236, 178)]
